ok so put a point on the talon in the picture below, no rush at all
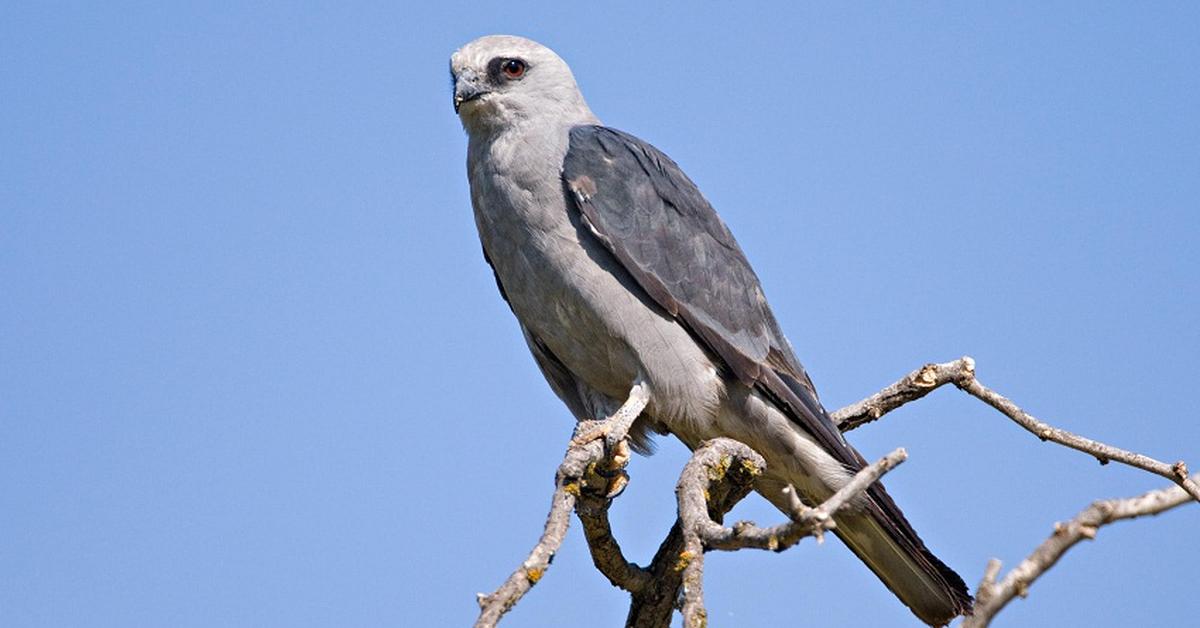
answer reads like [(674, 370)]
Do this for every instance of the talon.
[(606, 483), (617, 485), (620, 454)]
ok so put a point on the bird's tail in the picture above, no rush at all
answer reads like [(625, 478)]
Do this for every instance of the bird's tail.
[(874, 528), (884, 540)]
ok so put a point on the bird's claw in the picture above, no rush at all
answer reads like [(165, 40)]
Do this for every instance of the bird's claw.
[(610, 471), (606, 481), (608, 475), (602, 430), (616, 485)]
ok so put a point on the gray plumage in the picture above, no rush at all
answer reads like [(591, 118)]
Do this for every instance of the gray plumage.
[(619, 271)]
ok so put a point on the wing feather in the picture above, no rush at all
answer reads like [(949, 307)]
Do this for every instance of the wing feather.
[(649, 214), (654, 220)]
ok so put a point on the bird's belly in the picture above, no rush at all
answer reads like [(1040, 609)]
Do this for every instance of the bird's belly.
[(576, 299)]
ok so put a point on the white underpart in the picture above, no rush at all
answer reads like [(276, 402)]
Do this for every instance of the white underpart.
[(793, 457)]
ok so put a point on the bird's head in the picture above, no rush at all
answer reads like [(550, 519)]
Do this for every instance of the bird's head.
[(501, 81)]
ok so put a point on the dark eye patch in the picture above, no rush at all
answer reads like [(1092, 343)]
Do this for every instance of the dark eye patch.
[(503, 69)]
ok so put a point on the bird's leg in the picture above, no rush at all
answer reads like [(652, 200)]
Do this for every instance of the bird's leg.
[(615, 430)]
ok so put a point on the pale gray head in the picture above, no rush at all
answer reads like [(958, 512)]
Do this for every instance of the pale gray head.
[(502, 81)]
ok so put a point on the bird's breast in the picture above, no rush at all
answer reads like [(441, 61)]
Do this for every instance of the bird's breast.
[(571, 293)]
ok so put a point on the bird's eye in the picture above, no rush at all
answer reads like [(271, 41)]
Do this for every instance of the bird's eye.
[(513, 68)]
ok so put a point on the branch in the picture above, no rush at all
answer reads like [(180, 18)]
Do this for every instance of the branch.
[(592, 511), (804, 521), (724, 460), (713, 462), (1177, 472), (911, 387), (653, 607), (992, 596), (568, 482), (721, 473), (961, 373)]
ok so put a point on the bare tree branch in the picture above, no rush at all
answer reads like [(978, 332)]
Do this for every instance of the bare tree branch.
[(961, 373), (993, 596), (911, 387), (1177, 472), (715, 461), (568, 482), (721, 460), (805, 521), (653, 607), (721, 473), (606, 552)]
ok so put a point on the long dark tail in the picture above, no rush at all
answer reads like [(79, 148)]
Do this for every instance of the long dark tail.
[(877, 531), (923, 583), (885, 541)]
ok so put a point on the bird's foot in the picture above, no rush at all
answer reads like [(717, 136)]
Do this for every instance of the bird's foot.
[(588, 431), (610, 472), (608, 477), (615, 428)]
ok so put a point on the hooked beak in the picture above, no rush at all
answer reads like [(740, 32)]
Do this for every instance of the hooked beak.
[(466, 89)]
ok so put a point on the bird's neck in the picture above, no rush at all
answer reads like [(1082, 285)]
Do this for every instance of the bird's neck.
[(526, 150)]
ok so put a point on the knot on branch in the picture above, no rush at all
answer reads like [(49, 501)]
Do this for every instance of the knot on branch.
[(917, 384), (1180, 469)]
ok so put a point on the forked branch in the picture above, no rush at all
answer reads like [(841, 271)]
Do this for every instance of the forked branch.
[(961, 373), (721, 460), (721, 472), (994, 595), (568, 484)]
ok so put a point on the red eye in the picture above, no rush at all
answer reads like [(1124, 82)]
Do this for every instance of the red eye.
[(513, 68)]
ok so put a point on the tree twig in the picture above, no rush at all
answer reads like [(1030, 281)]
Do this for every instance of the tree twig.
[(653, 607), (721, 460), (994, 595), (714, 462), (805, 522), (961, 373), (911, 387), (1176, 472), (568, 482)]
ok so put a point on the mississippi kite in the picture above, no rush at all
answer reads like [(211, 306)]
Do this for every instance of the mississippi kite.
[(635, 299)]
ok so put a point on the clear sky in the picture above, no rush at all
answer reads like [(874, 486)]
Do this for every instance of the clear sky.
[(255, 372)]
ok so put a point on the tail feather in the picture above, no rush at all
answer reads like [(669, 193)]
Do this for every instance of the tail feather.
[(932, 590), (876, 530)]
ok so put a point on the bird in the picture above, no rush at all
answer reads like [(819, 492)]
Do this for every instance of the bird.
[(641, 309)]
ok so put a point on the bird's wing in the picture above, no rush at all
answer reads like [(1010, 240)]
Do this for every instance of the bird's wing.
[(654, 220)]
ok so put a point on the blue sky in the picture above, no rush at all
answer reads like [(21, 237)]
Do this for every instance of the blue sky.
[(255, 372)]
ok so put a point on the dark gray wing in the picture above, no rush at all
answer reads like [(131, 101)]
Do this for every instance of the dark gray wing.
[(654, 220)]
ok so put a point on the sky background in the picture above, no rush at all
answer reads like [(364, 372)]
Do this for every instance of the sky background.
[(255, 372)]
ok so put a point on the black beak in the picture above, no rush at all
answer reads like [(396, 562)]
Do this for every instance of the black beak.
[(466, 90)]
